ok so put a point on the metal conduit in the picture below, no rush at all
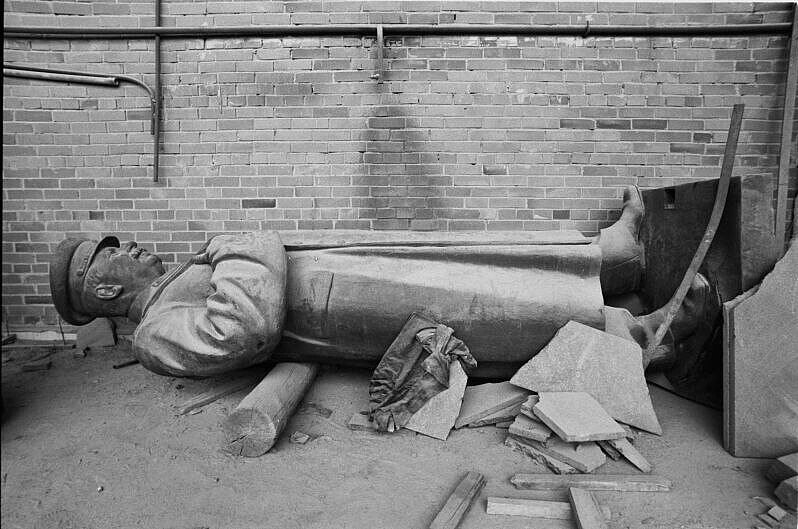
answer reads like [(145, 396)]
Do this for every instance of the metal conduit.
[(585, 30), (89, 78)]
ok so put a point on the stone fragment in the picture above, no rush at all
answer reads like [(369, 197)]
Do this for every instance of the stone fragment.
[(525, 427), (98, 333), (581, 358), (609, 450), (787, 492), (576, 417), (525, 447), (486, 399), (585, 457), (505, 415), (760, 359), (630, 453), (784, 467), (437, 416)]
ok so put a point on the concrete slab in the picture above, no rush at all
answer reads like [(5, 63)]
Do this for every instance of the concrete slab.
[(581, 358), (436, 418), (576, 417)]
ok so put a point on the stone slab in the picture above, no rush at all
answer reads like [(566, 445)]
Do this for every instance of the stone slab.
[(525, 427), (787, 492), (525, 447), (436, 418), (631, 454), (782, 468), (761, 365), (581, 358), (585, 457), (486, 399), (507, 414), (95, 334), (576, 417)]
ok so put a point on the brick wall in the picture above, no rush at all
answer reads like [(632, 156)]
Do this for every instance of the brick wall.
[(476, 133)]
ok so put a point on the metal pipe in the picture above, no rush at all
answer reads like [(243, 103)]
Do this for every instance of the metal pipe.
[(582, 30), (90, 78), (60, 77), (156, 115)]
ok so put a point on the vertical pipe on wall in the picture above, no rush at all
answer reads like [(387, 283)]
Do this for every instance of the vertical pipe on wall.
[(158, 99)]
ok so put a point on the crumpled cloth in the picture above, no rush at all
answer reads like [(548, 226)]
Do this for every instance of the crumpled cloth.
[(414, 369)]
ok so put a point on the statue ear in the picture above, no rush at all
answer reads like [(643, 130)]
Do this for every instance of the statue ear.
[(107, 292)]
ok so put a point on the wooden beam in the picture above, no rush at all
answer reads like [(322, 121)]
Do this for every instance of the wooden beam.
[(217, 392), (553, 510), (253, 427), (622, 483), (459, 502), (786, 135), (586, 509)]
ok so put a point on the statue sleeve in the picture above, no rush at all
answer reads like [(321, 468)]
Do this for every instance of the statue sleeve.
[(240, 322)]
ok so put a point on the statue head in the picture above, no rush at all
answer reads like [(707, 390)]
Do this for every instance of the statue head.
[(90, 279)]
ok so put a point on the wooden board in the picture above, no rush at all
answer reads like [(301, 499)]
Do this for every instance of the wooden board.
[(217, 392), (486, 399), (552, 510), (586, 509), (622, 483), (459, 502), (576, 417)]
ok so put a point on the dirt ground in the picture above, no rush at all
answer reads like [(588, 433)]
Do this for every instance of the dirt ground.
[(88, 446)]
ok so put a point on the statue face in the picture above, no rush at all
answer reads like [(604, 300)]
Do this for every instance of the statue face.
[(116, 276)]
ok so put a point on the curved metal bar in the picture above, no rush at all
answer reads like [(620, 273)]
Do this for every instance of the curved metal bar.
[(398, 29), (60, 77)]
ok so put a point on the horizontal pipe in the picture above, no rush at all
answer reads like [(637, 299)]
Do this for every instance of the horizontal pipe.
[(60, 77), (585, 30)]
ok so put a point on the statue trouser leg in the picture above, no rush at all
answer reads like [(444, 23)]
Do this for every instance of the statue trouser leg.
[(699, 309), (622, 253)]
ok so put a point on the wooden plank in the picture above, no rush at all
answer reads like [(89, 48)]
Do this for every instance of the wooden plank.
[(586, 509), (576, 417), (217, 392), (552, 510), (253, 427), (621, 483), (459, 502), (631, 454), (709, 233), (787, 121)]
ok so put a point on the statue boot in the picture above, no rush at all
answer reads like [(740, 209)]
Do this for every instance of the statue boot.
[(623, 258)]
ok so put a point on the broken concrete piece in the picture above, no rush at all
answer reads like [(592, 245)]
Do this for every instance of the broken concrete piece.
[(98, 333), (631, 454), (525, 447), (581, 358), (576, 417), (610, 450), (552, 510), (585, 457), (760, 365), (528, 404), (777, 513), (505, 415), (586, 509), (486, 399), (360, 422), (784, 467), (787, 492), (503, 424), (525, 427), (437, 416), (459, 502)]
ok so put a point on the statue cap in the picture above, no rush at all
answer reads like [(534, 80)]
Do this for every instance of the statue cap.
[(68, 273)]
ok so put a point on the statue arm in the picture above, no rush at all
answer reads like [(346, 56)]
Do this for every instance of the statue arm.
[(240, 322)]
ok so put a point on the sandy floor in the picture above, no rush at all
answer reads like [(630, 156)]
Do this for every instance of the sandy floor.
[(84, 445)]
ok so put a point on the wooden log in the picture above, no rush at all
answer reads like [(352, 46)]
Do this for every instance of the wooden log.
[(253, 427), (459, 502), (553, 510), (623, 483), (586, 509), (217, 392)]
